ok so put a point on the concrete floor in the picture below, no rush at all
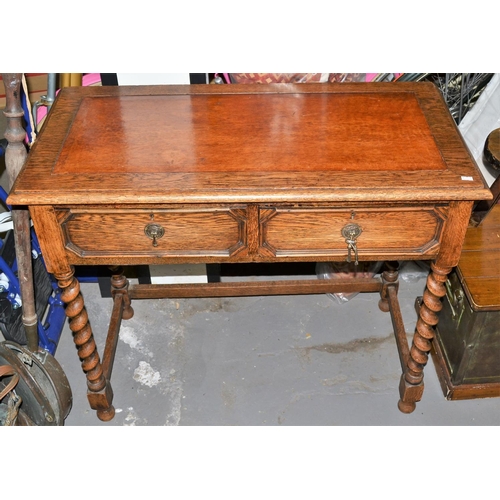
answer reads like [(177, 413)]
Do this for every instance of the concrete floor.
[(261, 361)]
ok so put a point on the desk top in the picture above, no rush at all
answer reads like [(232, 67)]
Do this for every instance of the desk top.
[(249, 143)]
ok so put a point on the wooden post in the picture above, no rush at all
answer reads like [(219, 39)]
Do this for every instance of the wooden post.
[(15, 156)]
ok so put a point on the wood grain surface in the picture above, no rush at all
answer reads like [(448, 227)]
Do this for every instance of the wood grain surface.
[(479, 266), (248, 144)]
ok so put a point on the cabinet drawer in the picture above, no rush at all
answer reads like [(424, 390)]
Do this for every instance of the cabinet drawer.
[(210, 232), (317, 232)]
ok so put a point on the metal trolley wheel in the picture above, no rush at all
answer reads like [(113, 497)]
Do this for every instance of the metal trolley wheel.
[(43, 386)]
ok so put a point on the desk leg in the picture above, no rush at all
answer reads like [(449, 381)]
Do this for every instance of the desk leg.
[(119, 285), (389, 277), (100, 394), (411, 387)]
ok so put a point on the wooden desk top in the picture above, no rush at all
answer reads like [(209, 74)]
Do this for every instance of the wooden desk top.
[(249, 143)]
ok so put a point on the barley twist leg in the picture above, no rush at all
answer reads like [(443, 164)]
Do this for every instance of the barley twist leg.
[(412, 386), (99, 391)]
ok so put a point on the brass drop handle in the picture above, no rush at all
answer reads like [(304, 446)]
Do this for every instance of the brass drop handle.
[(351, 232), (455, 300), (155, 232)]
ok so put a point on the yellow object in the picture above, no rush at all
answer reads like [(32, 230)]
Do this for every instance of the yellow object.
[(70, 80)]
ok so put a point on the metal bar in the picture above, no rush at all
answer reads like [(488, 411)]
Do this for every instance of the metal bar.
[(51, 89)]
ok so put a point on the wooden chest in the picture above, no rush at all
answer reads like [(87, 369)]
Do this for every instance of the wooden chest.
[(466, 350)]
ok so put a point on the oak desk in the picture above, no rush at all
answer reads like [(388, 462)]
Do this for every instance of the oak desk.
[(234, 173)]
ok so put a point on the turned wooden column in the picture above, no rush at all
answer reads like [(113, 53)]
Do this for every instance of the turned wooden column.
[(121, 310), (15, 156), (390, 276), (119, 285)]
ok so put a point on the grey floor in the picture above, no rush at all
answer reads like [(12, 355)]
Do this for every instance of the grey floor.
[(261, 361)]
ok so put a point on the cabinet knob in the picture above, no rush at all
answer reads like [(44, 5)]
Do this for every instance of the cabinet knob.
[(155, 232)]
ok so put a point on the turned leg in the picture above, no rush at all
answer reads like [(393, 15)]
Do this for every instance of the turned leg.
[(99, 391), (389, 277), (412, 385), (121, 310), (15, 156), (119, 285)]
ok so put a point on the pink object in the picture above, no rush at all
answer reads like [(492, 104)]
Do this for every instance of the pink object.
[(91, 79), (371, 76)]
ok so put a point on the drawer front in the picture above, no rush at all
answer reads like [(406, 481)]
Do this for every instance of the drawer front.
[(217, 232), (315, 232)]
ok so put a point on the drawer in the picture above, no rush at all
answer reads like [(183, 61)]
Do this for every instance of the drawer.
[(199, 232), (411, 232)]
